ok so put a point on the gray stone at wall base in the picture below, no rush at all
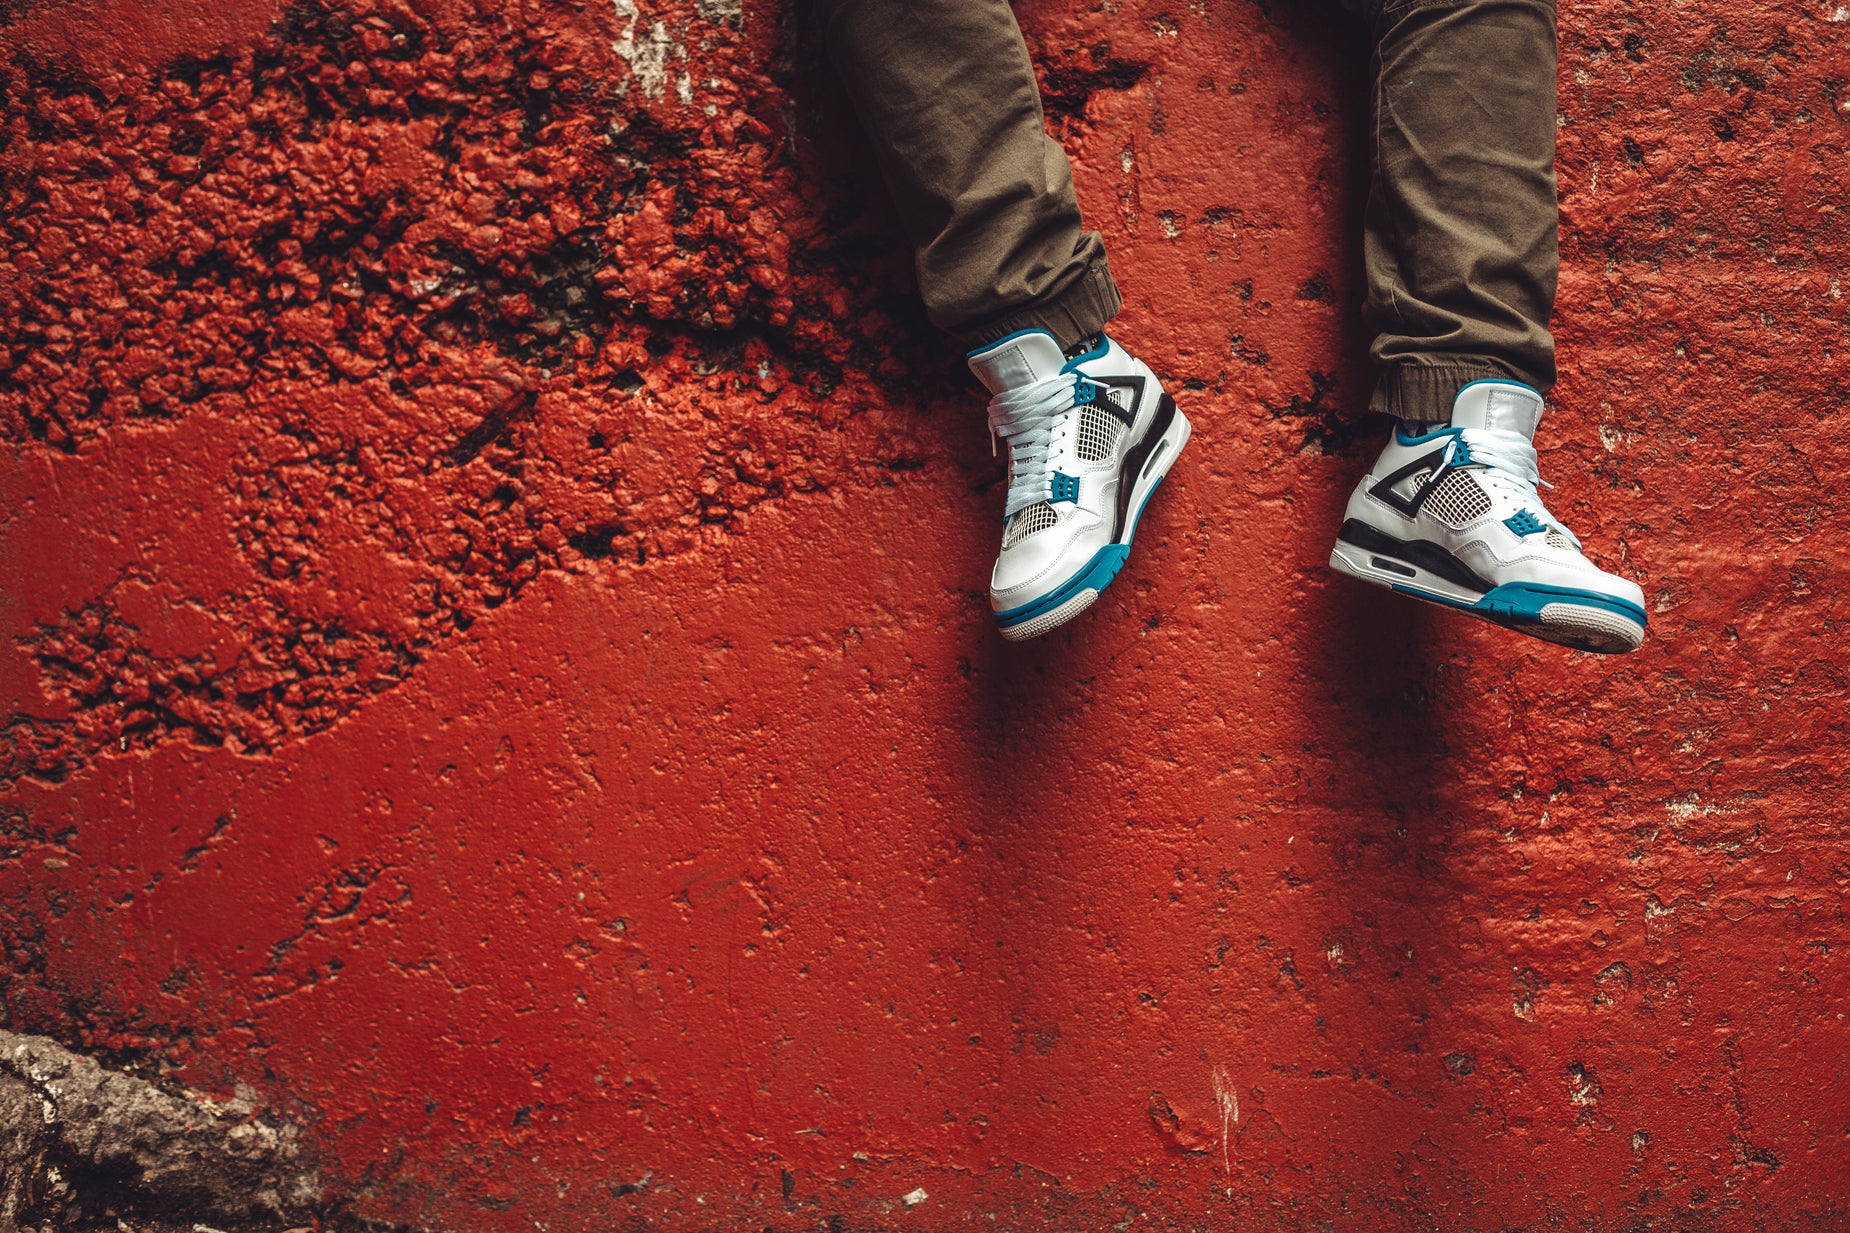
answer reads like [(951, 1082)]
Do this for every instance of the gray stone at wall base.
[(23, 1169), (61, 1111)]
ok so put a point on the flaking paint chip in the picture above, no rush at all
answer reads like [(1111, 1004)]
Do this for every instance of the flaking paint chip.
[(915, 1198)]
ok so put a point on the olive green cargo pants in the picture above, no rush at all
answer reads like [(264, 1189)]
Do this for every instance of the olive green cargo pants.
[(1460, 240)]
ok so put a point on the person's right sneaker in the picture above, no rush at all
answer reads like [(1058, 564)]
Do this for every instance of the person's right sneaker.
[(1090, 437), (1453, 517)]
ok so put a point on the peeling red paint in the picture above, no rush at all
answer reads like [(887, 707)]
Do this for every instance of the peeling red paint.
[(496, 655)]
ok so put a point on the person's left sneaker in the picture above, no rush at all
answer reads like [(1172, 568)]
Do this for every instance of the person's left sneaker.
[(1453, 517), (1090, 437)]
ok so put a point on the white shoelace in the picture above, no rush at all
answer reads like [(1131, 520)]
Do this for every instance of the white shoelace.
[(1027, 418), (1509, 460)]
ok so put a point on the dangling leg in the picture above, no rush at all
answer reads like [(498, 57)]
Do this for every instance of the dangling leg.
[(1462, 261), (1460, 238), (947, 95)]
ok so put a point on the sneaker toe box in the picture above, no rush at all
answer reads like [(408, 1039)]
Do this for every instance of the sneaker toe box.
[(1040, 564), (1537, 563)]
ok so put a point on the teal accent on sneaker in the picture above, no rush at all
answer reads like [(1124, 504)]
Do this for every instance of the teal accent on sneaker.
[(1525, 601), (1007, 338), (1064, 488), (1522, 602), (1461, 449), (1524, 523), (1085, 392), (1437, 434)]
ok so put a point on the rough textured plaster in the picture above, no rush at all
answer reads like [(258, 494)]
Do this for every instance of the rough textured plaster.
[(495, 654)]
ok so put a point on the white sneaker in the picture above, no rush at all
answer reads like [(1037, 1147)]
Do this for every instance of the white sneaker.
[(1453, 517), (1089, 440)]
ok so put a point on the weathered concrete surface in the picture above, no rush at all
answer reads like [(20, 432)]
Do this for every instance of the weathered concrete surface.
[(497, 662), (70, 1129), (24, 1171)]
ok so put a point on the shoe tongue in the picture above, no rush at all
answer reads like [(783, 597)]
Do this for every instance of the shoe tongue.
[(1018, 360), (1498, 404)]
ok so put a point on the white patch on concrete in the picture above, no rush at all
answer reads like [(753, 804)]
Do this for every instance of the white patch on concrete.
[(1690, 806), (721, 12), (915, 1198), (1227, 1097), (1127, 160), (648, 56), (1610, 437), (1842, 14)]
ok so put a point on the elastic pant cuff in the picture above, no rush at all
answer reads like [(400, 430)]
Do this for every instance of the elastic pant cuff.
[(1425, 392), (1078, 311)]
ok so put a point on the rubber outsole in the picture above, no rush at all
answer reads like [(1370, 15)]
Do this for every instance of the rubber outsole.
[(1583, 620), (1034, 627)]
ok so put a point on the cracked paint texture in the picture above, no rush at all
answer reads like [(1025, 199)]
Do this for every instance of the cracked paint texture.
[(496, 662)]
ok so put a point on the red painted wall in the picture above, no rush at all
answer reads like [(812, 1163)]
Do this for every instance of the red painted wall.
[(496, 655)]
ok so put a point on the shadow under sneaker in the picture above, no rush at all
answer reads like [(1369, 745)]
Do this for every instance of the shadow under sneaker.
[(1453, 517), (1089, 440)]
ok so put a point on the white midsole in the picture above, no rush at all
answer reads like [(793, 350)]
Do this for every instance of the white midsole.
[(1356, 562)]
